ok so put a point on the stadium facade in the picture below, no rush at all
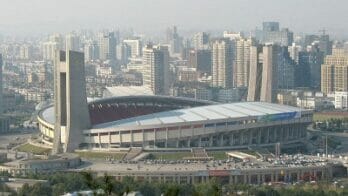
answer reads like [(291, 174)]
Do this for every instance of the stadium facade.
[(168, 122), (159, 122)]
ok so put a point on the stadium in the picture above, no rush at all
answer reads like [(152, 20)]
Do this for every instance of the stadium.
[(134, 117), (161, 122)]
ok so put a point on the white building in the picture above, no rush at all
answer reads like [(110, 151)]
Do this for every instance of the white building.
[(341, 100)]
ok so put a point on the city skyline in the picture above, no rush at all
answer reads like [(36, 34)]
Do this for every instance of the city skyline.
[(154, 16)]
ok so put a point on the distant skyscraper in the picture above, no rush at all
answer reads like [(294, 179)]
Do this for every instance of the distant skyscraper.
[(91, 51), (107, 46), (201, 60), (174, 40), (156, 60), (4, 121), (200, 40), (25, 52), (272, 34), (222, 55), (135, 45), (70, 101), (294, 51), (270, 26), (49, 50), (72, 42), (308, 71), (263, 73), (334, 72), (322, 41), (123, 53)]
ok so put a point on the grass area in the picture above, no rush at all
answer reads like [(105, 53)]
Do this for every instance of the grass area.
[(218, 155), (328, 116), (33, 149), (170, 155), (100, 155)]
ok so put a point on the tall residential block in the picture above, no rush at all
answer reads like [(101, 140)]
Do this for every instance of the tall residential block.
[(334, 72), (70, 101), (156, 61), (242, 62), (222, 65)]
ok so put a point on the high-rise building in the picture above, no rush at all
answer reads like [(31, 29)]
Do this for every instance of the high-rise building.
[(334, 72), (263, 73), (270, 26), (174, 40), (272, 34), (201, 60), (4, 121), (156, 60), (107, 46), (286, 69), (294, 51), (308, 71), (124, 52), (135, 45), (242, 62), (200, 40), (49, 50), (91, 51), (25, 52), (72, 42), (70, 101), (323, 41), (222, 66)]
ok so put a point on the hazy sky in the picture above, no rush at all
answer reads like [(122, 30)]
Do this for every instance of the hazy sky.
[(39, 16)]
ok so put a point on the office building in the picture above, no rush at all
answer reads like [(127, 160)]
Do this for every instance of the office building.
[(107, 46), (70, 101), (272, 34), (263, 73), (156, 61), (72, 42), (135, 46), (222, 64), (334, 72), (201, 60), (124, 52), (4, 120), (200, 41), (308, 71), (91, 50), (174, 40)]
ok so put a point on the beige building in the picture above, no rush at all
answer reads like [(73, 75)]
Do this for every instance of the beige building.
[(156, 62), (222, 63), (334, 72), (242, 62)]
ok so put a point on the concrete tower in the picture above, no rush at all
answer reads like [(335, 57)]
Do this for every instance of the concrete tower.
[(263, 73), (70, 101)]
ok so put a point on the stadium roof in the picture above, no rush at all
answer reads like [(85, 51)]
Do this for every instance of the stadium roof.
[(203, 113), (119, 91)]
